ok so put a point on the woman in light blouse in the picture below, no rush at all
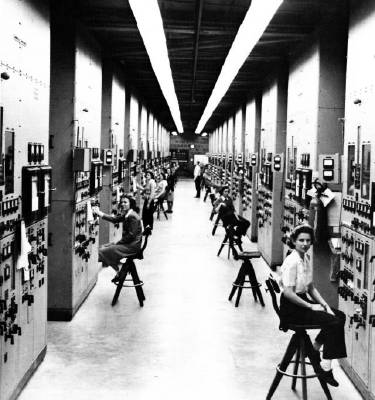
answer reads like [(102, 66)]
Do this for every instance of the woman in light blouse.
[(297, 308)]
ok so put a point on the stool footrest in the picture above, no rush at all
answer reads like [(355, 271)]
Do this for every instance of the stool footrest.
[(247, 287), (294, 375), (135, 284)]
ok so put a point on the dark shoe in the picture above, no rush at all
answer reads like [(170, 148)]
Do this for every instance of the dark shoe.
[(169, 211), (116, 278), (328, 377)]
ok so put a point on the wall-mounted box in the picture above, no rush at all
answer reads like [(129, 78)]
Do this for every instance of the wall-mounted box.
[(107, 157), (45, 189), (30, 194), (329, 168), (81, 159)]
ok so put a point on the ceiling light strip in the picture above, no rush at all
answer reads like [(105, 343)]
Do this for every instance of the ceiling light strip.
[(252, 28), (150, 25)]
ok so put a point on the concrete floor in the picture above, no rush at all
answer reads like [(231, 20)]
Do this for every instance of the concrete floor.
[(187, 342)]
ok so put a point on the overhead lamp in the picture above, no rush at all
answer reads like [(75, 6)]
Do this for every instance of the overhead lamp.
[(254, 24), (204, 134), (150, 25), (174, 133)]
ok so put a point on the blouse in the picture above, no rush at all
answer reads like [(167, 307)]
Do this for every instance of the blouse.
[(160, 188), (296, 272), (149, 189)]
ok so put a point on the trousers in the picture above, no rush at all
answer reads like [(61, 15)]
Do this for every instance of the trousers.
[(331, 336), (148, 213)]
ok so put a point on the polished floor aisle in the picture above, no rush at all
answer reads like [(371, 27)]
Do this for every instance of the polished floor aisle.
[(187, 342)]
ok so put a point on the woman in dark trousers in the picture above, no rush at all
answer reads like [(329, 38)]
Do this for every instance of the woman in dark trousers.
[(131, 240), (171, 180), (296, 307), (148, 193), (225, 208)]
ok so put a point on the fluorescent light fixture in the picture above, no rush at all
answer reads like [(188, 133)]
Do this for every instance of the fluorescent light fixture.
[(254, 24), (150, 25)]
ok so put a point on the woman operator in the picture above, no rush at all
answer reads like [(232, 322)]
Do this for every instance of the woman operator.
[(297, 308), (131, 240), (148, 193)]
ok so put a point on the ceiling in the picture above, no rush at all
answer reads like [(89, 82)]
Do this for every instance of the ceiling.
[(199, 34)]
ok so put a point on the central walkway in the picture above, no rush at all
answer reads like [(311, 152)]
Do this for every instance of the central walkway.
[(187, 342)]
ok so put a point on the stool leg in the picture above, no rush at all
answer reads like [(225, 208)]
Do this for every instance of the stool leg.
[(311, 354), (205, 196), (291, 349), (212, 215), (254, 282), (222, 244), (136, 281), (123, 272), (162, 209), (239, 293), (303, 367), (215, 226), (295, 371), (157, 212), (238, 280), (232, 293)]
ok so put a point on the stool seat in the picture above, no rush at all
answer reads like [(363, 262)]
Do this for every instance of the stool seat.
[(245, 255), (137, 256), (296, 327), (246, 271)]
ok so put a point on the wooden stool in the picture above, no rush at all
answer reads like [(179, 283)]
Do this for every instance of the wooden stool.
[(159, 207), (128, 267), (247, 270), (300, 345), (230, 240)]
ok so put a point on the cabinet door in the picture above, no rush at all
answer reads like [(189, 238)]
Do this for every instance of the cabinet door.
[(360, 352), (371, 325)]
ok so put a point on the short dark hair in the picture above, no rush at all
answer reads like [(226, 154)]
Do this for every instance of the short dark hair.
[(151, 173), (304, 228), (221, 191)]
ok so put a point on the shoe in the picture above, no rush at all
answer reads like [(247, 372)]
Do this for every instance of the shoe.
[(169, 211), (328, 377), (116, 278)]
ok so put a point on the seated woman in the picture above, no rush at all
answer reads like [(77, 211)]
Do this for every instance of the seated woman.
[(297, 308), (148, 193), (131, 241), (225, 208), (206, 181), (161, 190)]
